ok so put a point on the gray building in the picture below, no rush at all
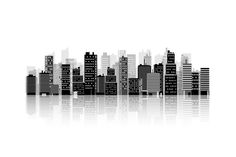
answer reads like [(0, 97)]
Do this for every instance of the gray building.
[(31, 85), (205, 81), (159, 68), (143, 70), (195, 83), (123, 74), (153, 83), (49, 68), (100, 90), (187, 77), (44, 83)]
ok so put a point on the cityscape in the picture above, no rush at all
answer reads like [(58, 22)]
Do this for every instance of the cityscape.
[(118, 75)]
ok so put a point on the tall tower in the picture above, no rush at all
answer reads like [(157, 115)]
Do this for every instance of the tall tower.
[(49, 68), (90, 73), (159, 68), (105, 62), (123, 74), (187, 77), (65, 79), (131, 65), (170, 76)]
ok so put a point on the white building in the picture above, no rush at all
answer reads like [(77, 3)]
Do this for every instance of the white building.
[(131, 65), (105, 63)]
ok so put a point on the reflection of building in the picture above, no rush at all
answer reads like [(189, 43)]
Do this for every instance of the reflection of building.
[(187, 77), (195, 83), (123, 74), (131, 65), (49, 68), (170, 77), (110, 82), (65, 79), (142, 76), (31, 85), (204, 81), (100, 90), (105, 62), (153, 83), (90, 73), (44, 82), (133, 86), (158, 68)]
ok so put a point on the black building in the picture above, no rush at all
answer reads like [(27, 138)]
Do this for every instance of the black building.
[(90, 73), (31, 85), (158, 68), (100, 90), (143, 70), (170, 77), (77, 80), (44, 83), (133, 86), (123, 74), (110, 82), (195, 83), (65, 79)]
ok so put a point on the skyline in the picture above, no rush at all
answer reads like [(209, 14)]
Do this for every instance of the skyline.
[(164, 78)]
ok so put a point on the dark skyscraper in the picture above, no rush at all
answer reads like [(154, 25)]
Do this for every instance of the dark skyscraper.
[(31, 85), (158, 68), (77, 80), (143, 70), (205, 81), (65, 79), (133, 86), (90, 73), (44, 82), (123, 74), (195, 83), (110, 82), (49, 68), (100, 90), (170, 77)]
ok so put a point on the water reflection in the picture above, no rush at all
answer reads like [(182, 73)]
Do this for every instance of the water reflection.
[(143, 109)]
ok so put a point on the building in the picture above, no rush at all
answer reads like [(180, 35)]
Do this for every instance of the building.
[(44, 83), (159, 68), (65, 79), (170, 75), (64, 55), (148, 59), (31, 85), (123, 74), (105, 63), (131, 65), (54, 89), (204, 81), (153, 83), (187, 78), (57, 75), (133, 86), (49, 68), (77, 80), (100, 90), (110, 82), (195, 83), (90, 73), (143, 70)]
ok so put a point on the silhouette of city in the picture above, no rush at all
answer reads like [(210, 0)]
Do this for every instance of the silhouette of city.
[(119, 75)]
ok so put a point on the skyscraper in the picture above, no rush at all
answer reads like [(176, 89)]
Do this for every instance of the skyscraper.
[(65, 79), (159, 68), (195, 83), (204, 81), (31, 85), (57, 75), (44, 83), (148, 59), (110, 82), (64, 55), (187, 77), (49, 68), (90, 73), (123, 74), (131, 65), (143, 70), (77, 80), (105, 62), (170, 76)]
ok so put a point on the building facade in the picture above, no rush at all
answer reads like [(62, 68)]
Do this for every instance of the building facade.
[(123, 74), (65, 79), (31, 85)]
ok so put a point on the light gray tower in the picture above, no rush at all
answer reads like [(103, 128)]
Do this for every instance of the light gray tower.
[(131, 65), (105, 63)]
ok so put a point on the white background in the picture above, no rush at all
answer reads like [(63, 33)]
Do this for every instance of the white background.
[(29, 30)]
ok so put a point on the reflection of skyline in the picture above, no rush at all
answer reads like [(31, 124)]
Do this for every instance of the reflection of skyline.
[(144, 109)]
